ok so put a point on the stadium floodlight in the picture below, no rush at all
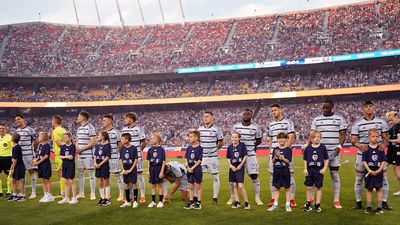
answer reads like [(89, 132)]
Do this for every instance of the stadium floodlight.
[(76, 13), (162, 12), (119, 13), (97, 11), (183, 14), (141, 12)]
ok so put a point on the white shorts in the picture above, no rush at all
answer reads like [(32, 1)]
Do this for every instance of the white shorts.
[(211, 164), (85, 163), (27, 159), (359, 164), (114, 166), (140, 165), (184, 185), (252, 165), (271, 166), (334, 161)]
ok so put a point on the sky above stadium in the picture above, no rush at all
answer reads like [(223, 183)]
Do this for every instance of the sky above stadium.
[(62, 11)]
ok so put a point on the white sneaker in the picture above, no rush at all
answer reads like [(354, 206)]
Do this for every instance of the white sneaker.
[(63, 201), (288, 208), (259, 202), (42, 199), (135, 204), (73, 201), (272, 208), (152, 205), (160, 205), (33, 195), (230, 201), (397, 193), (92, 196), (80, 195), (48, 198), (126, 204)]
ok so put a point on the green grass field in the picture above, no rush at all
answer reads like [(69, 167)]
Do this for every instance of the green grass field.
[(87, 212)]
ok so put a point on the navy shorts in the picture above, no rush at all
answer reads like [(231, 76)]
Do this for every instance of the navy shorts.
[(314, 178), (196, 176), (281, 177), (237, 176), (44, 170), (155, 175), (5, 164), (130, 178), (68, 170), (376, 182), (103, 171), (19, 172)]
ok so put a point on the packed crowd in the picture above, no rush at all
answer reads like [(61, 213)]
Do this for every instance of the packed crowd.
[(43, 49)]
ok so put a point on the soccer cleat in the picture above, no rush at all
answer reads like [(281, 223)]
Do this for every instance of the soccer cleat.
[(142, 200), (230, 201), (385, 206), (246, 205), (21, 199), (121, 198), (126, 204), (73, 201), (215, 201), (358, 205), (197, 205), (236, 205), (152, 205), (106, 202), (189, 205), (271, 202), (33, 195), (288, 208), (379, 211), (368, 210), (318, 209), (92, 196), (272, 208), (160, 205), (337, 205), (307, 208), (293, 203), (397, 193), (63, 201), (100, 202), (259, 202), (12, 198), (135, 204), (80, 195)]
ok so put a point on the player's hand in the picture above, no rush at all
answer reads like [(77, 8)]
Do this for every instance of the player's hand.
[(70, 157), (233, 168), (278, 153), (190, 170), (166, 197), (161, 175), (372, 173), (382, 147), (363, 148), (305, 173), (239, 167), (97, 165), (336, 151), (322, 171)]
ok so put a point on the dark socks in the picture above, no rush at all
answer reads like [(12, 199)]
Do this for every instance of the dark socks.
[(127, 195), (153, 198), (161, 197), (135, 194)]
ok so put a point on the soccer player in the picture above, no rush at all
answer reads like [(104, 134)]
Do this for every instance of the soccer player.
[(194, 156), (316, 161), (128, 159), (42, 161), (360, 140), (28, 144), (139, 141), (86, 140), (17, 170), (278, 125), (67, 155), (176, 173), (237, 156), (281, 174), (115, 137), (373, 161), (156, 158), (56, 135), (102, 155), (333, 130), (394, 145), (211, 139), (251, 135), (5, 157)]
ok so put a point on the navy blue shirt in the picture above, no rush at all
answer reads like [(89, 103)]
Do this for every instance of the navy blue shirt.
[(315, 157), (236, 153), (156, 156), (102, 151), (287, 153), (66, 151), (43, 151), (17, 154), (128, 156), (193, 155), (373, 157)]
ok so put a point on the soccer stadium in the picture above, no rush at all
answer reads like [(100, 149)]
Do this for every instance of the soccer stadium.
[(242, 119)]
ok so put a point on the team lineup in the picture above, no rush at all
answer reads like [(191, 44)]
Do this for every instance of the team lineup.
[(111, 151)]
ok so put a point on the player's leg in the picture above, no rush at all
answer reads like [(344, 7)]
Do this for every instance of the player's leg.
[(235, 192), (252, 170), (1, 186), (120, 184), (243, 192), (81, 178), (334, 173), (33, 175), (199, 192), (292, 187), (396, 172), (141, 181), (358, 182), (271, 185), (101, 191), (89, 165), (385, 191), (214, 170), (160, 195)]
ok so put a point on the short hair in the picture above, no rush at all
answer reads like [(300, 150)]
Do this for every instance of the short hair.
[(237, 133), (3, 124), (313, 133), (248, 110), (69, 134), (209, 112), (195, 133), (369, 102), (46, 136), (15, 137), (329, 101), (127, 136), (158, 136), (105, 135), (19, 115), (84, 114), (387, 115), (373, 131), (58, 119), (276, 105), (131, 115), (109, 116), (282, 135)]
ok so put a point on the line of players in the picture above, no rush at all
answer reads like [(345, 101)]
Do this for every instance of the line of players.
[(331, 125)]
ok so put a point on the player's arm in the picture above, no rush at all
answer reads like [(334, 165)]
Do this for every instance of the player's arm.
[(355, 143), (175, 187), (220, 143), (243, 162), (305, 171), (383, 164), (323, 170), (369, 171), (198, 162), (143, 143), (161, 175), (397, 141), (134, 165), (258, 142), (291, 139), (230, 164), (104, 160), (89, 146), (385, 141), (13, 165), (342, 139)]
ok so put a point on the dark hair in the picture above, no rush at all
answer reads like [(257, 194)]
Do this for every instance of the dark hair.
[(105, 135), (209, 112), (369, 102), (127, 136), (248, 110), (84, 114), (276, 105), (131, 115), (15, 137), (3, 124), (19, 115), (57, 118), (195, 132), (282, 135), (109, 116), (329, 101)]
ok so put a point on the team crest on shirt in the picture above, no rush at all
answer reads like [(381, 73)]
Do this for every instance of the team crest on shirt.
[(66, 153), (192, 155), (100, 152), (374, 158), (236, 154), (315, 157), (155, 154), (126, 155)]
